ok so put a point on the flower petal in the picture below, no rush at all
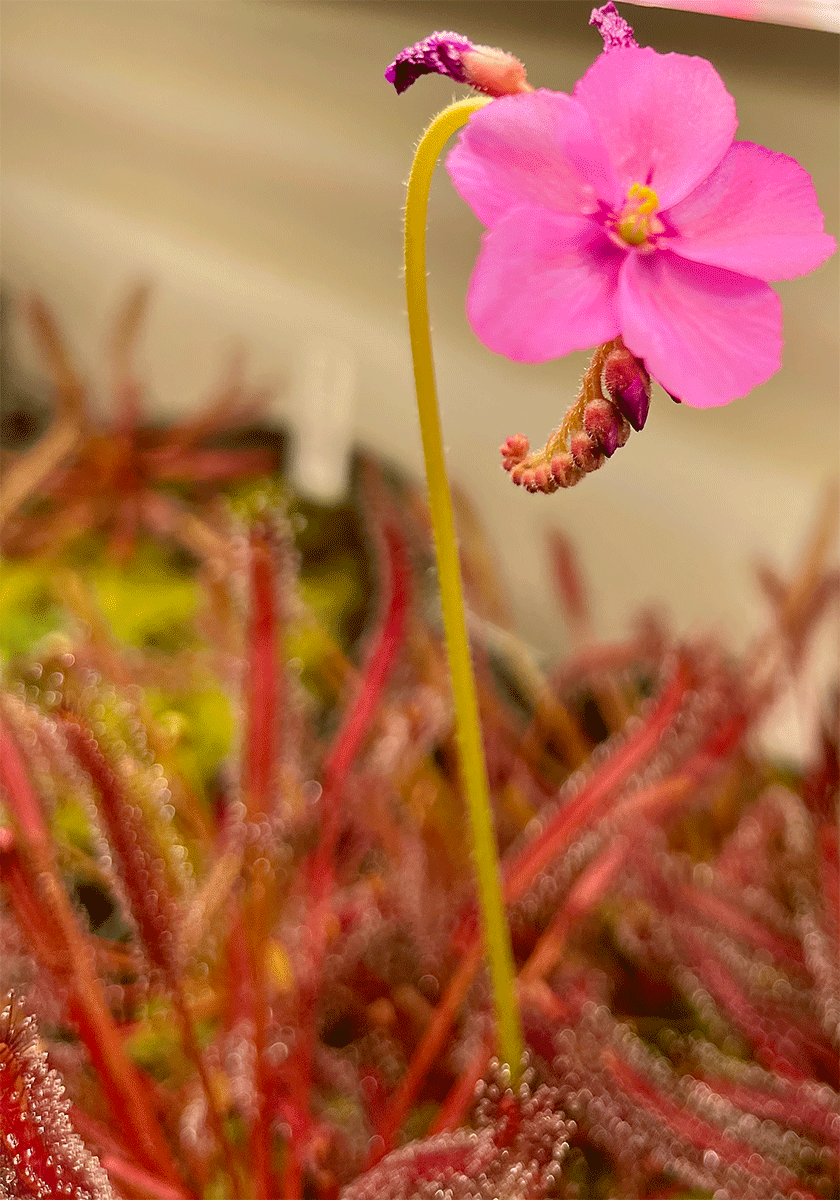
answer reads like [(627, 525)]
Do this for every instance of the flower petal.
[(538, 148), (437, 54), (544, 285), (705, 334), (756, 213), (666, 119)]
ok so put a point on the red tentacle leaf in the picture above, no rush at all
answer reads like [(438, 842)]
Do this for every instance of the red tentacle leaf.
[(535, 856), (263, 680), (353, 729), (42, 1155), (140, 867), (697, 1132), (70, 958)]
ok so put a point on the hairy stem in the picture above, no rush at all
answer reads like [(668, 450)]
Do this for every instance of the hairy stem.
[(471, 752)]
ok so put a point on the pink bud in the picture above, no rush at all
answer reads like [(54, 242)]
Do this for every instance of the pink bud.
[(605, 425), (564, 470), (585, 451), (625, 381), (542, 478), (514, 449)]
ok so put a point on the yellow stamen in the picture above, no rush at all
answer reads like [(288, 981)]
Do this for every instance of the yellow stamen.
[(637, 221), (648, 201)]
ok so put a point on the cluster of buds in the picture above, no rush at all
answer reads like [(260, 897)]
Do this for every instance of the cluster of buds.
[(614, 397)]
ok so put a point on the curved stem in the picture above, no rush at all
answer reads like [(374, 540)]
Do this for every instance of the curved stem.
[(471, 751)]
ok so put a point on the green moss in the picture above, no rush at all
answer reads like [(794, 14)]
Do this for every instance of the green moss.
[(418, 1121), (155, 1043), (199, 723), (149, 601), (71, 824), (29, 608)]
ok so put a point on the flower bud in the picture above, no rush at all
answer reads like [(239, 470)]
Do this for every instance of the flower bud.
[(625, 381), (585, 451), (592, 429), (542, 479), (605, 425), (525, 477), (514, 449), (564, 470)]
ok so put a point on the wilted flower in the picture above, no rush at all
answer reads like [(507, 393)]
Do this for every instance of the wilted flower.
[(486, 69), (628, 209)]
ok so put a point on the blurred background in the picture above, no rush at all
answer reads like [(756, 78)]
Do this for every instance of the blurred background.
[(249, 160)]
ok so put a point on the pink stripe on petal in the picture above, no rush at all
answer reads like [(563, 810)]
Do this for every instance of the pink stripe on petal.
[(706, 335), (544, 285), (666, 119), (756, 213), (537, 148)]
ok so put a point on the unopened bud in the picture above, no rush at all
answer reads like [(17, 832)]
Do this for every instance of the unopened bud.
[(534, 478), (625, 381), (614, 394), (514, 449), (541, 478), (605, 425), (526, 477), (585, 451), (564, 470), (529, 480)]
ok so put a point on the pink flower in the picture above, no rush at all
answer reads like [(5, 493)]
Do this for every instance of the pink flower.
[(627, 208)]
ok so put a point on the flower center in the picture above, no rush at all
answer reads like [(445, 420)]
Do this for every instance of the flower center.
[(637, 223)]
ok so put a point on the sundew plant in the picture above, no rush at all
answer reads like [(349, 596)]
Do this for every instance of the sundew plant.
[(252, 950)]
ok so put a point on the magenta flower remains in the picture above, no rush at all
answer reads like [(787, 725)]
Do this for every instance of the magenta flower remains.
[(627, 209)]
